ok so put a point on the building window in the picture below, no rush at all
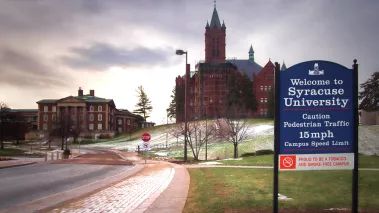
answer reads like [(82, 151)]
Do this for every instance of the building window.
[(45, 117), (265, 88), (99, 117), (91, 108), (91, 126), (269, 88), (54, 117), (54, 108), (261, 88), (99, 126), (265, 100), (45, 108), (119, 129), (91, 117), (210, 100), (129, 122), (44, 126), (261, 100), (119, 121), (99, 108)]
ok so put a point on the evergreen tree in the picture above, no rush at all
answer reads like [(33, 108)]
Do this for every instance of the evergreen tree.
[(176, 108), (249, 98), (271, 103), (234, 97), (370, 93), (144, 104)]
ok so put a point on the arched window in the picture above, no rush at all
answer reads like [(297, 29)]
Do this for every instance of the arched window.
[(99, 108), (99, 117), (91, 108), (91, 117), (54, 117), (45, 117)]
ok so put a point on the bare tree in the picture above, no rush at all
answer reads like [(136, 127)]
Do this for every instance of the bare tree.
[(198, 133), (64, 126), (4, 113), (232, 130)]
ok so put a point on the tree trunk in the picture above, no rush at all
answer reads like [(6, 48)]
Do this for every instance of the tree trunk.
[(235, 150)]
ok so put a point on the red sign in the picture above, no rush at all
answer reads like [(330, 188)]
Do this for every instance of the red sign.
[(287, 162), (145, 137)]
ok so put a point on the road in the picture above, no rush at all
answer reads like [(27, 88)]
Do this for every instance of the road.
[(27, 183)]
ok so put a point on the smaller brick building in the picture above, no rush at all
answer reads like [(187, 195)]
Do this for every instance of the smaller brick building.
[(87, 113)]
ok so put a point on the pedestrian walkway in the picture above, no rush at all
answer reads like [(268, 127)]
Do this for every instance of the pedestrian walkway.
[(127, 195)]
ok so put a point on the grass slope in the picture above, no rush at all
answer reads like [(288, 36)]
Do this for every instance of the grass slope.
[(215, 190)]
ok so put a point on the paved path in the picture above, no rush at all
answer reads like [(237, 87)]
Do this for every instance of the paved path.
[(152, 190)]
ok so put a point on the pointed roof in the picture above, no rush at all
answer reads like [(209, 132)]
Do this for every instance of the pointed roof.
[(284, 67), (207, 26), (223, 24), (215, 22), (251, 49)]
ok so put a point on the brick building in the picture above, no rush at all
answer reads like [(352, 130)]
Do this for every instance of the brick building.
[(87, 113), (208, 84)]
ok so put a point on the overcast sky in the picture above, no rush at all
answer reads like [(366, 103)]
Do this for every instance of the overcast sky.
[(50, 48)]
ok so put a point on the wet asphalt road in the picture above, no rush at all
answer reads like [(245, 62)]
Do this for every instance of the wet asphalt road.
[(27, 183)]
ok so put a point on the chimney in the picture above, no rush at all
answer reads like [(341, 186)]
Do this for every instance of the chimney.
[(92, 92), (80, 92)]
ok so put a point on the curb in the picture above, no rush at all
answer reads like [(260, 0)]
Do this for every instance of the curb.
[(17, 165)]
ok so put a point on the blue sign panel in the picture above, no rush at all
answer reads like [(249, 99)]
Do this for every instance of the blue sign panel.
[(316, 109)]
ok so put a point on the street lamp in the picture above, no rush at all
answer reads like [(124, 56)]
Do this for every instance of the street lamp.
[(181, 52), (206, 133)]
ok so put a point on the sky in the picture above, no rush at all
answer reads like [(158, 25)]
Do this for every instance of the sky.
[(50, 48)]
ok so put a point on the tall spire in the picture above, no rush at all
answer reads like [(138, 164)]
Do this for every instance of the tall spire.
[(215, 21), (284, 67), (251, 53)]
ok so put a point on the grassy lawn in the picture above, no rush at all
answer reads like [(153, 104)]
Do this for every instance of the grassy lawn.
[(214, 190), (17, 152), (11, 152), (268, 160)]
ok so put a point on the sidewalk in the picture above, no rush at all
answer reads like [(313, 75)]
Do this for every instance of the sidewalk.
[(159, 187)]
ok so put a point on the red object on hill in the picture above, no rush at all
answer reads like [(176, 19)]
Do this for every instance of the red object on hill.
[(146, 137)]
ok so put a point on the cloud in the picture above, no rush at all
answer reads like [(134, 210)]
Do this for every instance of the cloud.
[(101, 56), (24, 69)]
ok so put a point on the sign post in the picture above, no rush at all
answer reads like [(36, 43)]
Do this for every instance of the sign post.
[(316, 120), (146, 145)]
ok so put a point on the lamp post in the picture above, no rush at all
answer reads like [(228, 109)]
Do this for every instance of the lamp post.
[(206, 132), (181, 52)]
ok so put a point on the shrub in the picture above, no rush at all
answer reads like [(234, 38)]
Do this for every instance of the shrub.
[(264, 152), (105, 136), (248, 154)]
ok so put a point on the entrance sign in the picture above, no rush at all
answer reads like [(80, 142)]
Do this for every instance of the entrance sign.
[(145, 137), (316, 120)]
